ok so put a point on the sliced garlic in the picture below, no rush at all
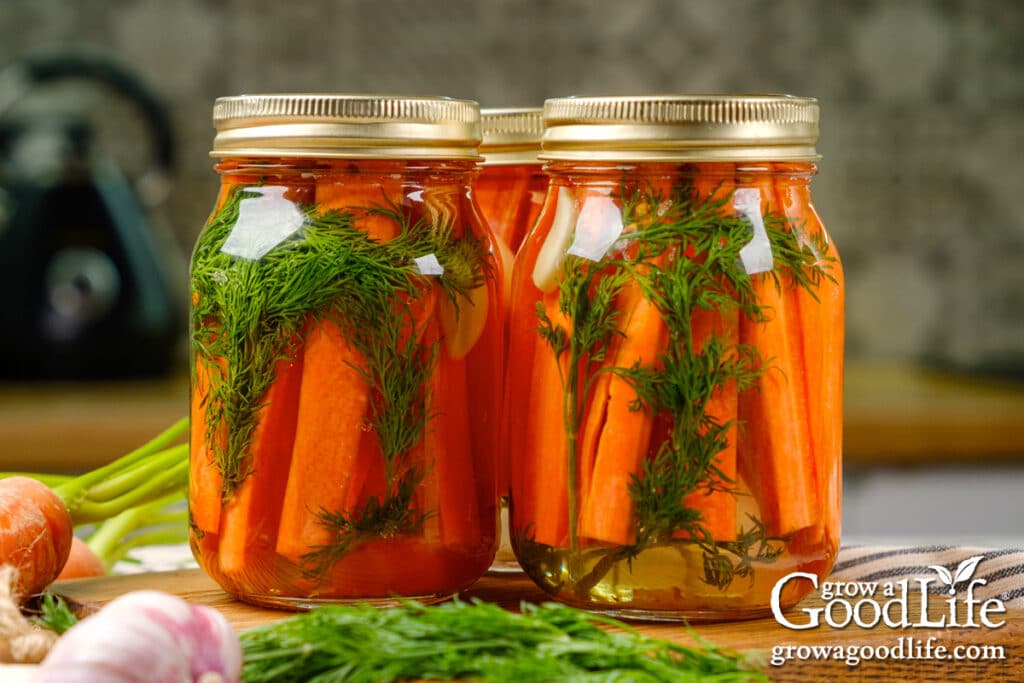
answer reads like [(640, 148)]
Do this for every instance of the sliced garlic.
[(548, 268), (462, 321)]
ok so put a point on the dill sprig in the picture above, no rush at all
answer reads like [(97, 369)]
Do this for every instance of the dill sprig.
[(683, 252), (727, 560), (377, 519), (478, 641), (588, 300), (250, 314)]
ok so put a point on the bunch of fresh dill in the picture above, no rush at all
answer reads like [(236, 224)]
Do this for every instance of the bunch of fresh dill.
[(474, 640)]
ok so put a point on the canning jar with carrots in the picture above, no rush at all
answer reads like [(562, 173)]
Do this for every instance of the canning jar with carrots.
[(346, 347), (675, 359), (511, 186), (510, 189)]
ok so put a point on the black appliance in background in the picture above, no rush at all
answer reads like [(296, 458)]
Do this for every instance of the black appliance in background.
[(84, 291)]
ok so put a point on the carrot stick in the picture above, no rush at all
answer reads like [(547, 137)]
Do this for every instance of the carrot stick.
[(607, 514), (594, 419), (448, 453), (205, 481), (595, 414), (822, 342), (358, 195), (521, 342), (605, 467), (332, 406), (471, 346), (333, 451), (250, 519), (718, 507), (714, 182), (365, 477), (503, 195), (773, 455), (485, 366), (543, 460)]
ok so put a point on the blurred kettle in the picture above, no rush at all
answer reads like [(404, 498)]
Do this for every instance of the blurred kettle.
[(85, 290)]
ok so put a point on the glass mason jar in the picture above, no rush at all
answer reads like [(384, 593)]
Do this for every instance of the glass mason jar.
[(347, 337), (510, 190), (674, 404), (512, 184)]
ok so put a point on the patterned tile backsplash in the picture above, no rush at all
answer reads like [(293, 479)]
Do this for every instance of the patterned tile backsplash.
[(922, 106)]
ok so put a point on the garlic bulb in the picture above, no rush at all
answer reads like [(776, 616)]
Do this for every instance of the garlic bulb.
[(147, 637)]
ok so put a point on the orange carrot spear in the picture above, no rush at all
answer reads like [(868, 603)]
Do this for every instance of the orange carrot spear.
[(714, 182), (521, 336), (608, 512), (330, 460), (332, 405), (615, 435), (205, 480), (503, 195), (545, 503), (773, 453), (250, 518), (718, 507), (822, 340), (448, 453)]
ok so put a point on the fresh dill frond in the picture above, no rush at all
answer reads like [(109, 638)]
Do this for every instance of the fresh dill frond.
[(478, 641), (726, 560), (378, 519)]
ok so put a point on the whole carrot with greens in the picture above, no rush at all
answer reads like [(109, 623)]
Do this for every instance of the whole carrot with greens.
[(38, 520), (35, 533)]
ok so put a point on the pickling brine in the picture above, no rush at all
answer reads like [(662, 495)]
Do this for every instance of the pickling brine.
[(675, 368), (346, 319)]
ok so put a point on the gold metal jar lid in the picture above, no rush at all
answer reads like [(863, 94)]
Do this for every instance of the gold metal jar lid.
[(681, 128), (346, 126), (511, 136)]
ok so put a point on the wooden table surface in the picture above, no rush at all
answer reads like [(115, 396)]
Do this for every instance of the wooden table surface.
[(759, 635), (893, 414)]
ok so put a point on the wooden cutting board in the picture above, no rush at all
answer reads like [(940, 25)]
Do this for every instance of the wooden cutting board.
[(756, 635)]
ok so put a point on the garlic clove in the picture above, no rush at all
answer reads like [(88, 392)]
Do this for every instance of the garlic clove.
[(146, 637), (463, 321), (548, 267)]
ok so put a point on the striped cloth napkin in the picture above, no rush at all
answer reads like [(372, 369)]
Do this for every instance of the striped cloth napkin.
[(1002, 570)]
